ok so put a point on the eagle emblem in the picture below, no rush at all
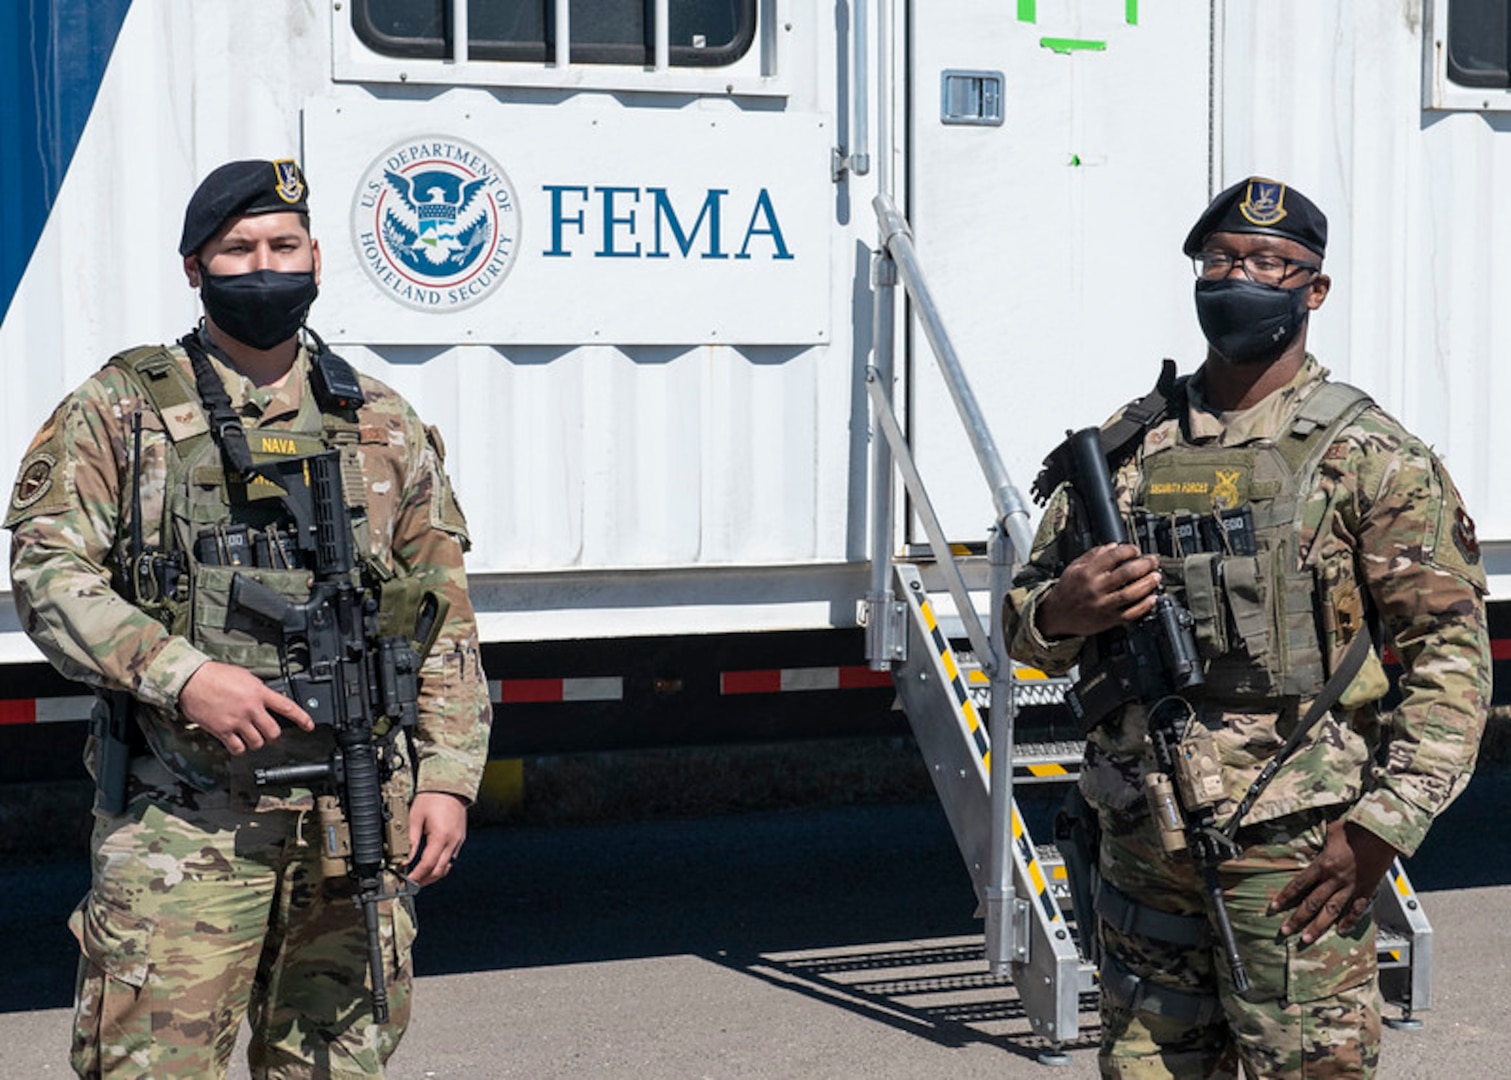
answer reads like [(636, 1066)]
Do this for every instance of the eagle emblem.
[(1263, 202), (290, 187), (437, 224)]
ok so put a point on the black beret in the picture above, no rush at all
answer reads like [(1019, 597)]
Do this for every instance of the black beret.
[(1257, 205), (238, 188)]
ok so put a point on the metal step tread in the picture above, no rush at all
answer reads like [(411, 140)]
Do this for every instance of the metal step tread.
[(1068, 752), (1392, 949), (1032, 688)]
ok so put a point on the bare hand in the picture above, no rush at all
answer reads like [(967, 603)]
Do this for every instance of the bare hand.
[(1109, 586), (438, 821), (237, 707), (1338, 885)]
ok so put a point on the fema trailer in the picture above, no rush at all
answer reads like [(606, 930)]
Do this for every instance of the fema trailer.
[(720, 304)]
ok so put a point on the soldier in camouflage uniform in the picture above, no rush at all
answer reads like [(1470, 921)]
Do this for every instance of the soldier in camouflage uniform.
[(208, 901), (1356, 522)]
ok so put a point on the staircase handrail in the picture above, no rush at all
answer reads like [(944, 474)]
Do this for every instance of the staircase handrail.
[(1007, 939), (1012, 511)]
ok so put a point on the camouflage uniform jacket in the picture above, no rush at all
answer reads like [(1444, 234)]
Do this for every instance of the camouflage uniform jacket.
[(71, 507), (1383, 513)]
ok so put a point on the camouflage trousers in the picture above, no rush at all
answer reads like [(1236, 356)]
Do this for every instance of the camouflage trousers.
[(1313, 1011), (200, 914)]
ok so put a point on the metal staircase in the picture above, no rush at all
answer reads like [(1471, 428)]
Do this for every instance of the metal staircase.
[(1033, 940), (917, 612)]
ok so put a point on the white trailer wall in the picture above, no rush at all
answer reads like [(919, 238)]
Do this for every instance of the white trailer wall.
[(180, 95), (1331, 96), (622, 480), (698, 463), (1053, 240)]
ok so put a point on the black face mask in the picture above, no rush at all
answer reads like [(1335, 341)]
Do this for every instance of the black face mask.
[(263, 308), (1246, 322)]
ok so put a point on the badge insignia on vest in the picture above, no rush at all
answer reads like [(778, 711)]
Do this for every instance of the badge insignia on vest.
[(1225, 494), (290, 188), (1263, 202)]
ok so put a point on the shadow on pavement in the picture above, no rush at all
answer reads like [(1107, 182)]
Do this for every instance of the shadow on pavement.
[(736, 890)]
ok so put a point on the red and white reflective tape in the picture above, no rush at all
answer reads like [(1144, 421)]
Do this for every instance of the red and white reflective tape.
[(522, 691), (45, 710), (782, 680), (16, 711)]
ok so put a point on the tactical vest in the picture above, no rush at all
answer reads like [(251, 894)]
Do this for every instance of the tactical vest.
[(215, 526), (1259, 617)]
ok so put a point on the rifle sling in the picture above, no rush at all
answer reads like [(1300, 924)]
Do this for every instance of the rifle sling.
[(225, 426), (1326, 698), (1118, 439)]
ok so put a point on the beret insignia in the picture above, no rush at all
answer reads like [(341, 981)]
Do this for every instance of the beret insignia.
[(290, 184), (1263, 202)]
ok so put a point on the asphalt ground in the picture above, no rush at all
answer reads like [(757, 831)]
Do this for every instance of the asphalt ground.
[(829, 942)]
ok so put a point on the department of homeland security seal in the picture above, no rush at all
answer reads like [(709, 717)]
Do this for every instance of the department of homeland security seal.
[(436, 223)]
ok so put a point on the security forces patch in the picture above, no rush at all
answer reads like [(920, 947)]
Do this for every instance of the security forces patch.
[(290, 187), (1263, 202)]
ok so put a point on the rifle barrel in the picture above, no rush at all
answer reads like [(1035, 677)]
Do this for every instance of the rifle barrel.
[(1241, 983), (1094, 485)]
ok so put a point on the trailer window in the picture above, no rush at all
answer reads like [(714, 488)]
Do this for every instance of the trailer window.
[(703, 33), (1479, 51)]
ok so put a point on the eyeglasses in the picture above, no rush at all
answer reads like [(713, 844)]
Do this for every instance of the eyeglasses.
[(1263, 268)]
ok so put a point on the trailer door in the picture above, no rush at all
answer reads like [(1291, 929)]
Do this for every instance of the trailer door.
[(1058, 152)]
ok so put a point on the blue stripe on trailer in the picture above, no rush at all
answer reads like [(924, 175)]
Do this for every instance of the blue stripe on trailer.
[(52, 59)]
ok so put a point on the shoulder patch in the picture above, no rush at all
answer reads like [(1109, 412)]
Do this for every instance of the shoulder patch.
[(1464, 536), (35, 480), (1454, 540), (40, 487)]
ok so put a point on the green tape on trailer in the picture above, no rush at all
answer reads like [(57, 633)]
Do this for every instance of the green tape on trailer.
[(1028, 11), (1066, 46)]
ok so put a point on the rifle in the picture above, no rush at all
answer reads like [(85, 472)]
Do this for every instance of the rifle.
[(345, 673), (1155, 661)]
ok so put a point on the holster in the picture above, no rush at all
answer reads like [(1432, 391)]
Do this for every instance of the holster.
[(1078, 835), (116, 741)]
